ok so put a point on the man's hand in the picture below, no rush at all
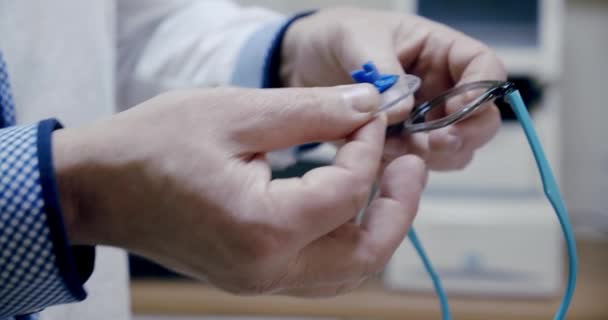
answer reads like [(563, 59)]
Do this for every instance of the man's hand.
[(322, 50), (182, 179)]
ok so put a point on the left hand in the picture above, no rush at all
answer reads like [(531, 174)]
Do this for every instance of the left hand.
[(323, 48), (204, 204)]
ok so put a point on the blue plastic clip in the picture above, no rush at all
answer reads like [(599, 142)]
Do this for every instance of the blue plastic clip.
[(370, 74)]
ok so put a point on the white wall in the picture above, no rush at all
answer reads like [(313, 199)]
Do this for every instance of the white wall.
[(585, 112)]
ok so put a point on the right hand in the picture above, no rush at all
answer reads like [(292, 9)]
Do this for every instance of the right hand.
[(182, 179)]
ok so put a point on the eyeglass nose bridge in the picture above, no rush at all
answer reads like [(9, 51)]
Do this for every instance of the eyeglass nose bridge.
[(417, 120)]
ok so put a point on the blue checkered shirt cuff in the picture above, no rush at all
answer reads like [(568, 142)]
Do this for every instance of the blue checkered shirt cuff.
[(38, 268)]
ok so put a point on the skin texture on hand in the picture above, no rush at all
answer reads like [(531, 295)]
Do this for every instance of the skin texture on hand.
[(322, 49), (182, 179)]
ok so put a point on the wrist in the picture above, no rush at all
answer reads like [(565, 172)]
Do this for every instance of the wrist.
[(67, 161), (84, 195), (99, 173)]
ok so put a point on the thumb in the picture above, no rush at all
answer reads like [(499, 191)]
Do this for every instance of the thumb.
[(294, 116)]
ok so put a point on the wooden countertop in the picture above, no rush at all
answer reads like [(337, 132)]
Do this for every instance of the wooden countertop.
[(373, 301)]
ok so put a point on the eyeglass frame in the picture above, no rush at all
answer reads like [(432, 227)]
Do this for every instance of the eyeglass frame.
[(495, 90)]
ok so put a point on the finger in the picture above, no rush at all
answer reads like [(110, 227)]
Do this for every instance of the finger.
[(439, 155), (325, 198), (354, 252), (446, 57), (469, 134), (401, 187), (448, 161), (408, 143), (469, 60), (280, 118)]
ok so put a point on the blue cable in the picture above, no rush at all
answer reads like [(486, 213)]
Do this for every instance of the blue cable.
[(553, 195), (443, 299)]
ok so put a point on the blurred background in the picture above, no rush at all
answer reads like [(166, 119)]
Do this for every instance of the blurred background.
[(489, 230)]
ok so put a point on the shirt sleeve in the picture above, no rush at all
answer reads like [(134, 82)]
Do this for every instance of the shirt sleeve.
[(38, 268)]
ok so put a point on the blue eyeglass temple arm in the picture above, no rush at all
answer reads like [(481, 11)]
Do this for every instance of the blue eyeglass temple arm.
[(551, 189), (428, 266), (552, 192), (370, 74)]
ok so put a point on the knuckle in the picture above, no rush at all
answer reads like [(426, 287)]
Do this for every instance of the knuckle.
[(312, 102), (340, 32), (316, 99), (315, 106), (494, 60), (361, 194), (339, 29), (502, 69)]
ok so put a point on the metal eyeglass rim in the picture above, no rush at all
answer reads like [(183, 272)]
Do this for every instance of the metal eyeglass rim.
[(417, 123)]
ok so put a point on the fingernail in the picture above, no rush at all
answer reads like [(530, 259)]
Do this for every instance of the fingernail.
[(361, 97)]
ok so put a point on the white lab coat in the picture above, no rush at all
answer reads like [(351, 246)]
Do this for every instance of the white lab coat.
[(80, 61)]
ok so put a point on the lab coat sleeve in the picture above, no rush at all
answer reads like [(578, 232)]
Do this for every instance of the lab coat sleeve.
[(169, 44), (38, 267)]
